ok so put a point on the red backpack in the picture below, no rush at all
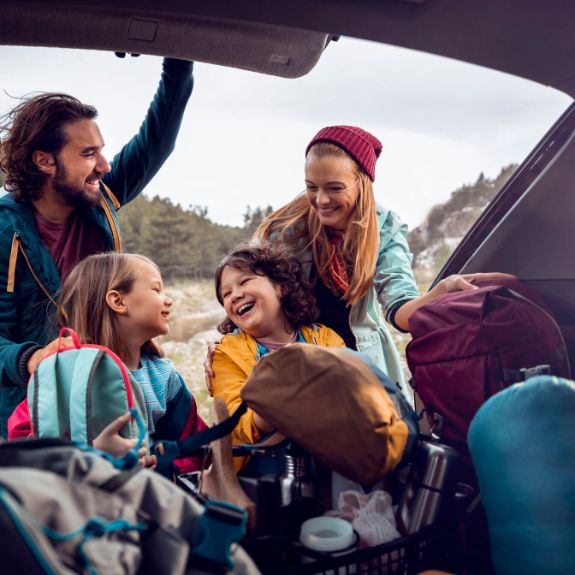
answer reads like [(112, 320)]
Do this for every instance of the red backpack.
[(469, 345)]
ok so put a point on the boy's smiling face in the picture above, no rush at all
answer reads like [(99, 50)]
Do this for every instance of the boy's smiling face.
[(252, 302)]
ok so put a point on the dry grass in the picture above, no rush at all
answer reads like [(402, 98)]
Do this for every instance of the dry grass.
[(195, 315)]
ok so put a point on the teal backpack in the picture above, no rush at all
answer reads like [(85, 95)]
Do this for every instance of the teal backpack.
[(77, 391)]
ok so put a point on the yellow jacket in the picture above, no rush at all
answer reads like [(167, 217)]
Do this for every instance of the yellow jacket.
[(234, 359)]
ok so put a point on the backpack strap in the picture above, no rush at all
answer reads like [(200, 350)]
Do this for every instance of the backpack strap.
[(12, 263), (185, 448), (17, 245), (45, 399), (111, 221), (87, 361)]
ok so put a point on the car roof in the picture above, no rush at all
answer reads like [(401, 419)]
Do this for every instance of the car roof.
[(286, 37)]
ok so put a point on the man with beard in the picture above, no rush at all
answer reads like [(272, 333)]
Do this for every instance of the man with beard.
[(61, 207)]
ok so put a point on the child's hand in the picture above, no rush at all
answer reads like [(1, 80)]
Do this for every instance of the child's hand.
[(110, 440), (149, 462), (208, 371)]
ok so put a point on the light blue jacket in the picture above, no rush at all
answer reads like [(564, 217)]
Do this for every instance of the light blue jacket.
[(393, 283)]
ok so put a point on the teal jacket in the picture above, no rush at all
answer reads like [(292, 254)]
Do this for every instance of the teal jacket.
[(29, 280), (393, 285)]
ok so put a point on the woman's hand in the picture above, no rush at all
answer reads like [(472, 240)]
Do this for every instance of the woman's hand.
[(466, 281), (452, 283), (208, 371)]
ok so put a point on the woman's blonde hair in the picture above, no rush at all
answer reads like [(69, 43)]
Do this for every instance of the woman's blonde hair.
[(83, 305), (297, 224)]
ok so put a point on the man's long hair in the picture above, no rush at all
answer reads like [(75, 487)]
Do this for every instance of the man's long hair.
[(36, 124)]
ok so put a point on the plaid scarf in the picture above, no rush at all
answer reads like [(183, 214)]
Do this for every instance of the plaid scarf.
[(337, 268)]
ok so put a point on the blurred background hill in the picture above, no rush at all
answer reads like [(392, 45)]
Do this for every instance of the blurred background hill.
[(433, 241)]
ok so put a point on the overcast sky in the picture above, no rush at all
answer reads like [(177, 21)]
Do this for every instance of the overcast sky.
[(244, 134)]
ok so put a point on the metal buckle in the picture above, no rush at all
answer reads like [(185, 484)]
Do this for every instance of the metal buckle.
[(436, 426), (527, 372)]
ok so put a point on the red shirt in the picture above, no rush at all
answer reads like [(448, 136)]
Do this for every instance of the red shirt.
[(69, 242)]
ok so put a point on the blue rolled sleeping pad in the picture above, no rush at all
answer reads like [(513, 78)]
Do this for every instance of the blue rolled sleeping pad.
[(522, 443)]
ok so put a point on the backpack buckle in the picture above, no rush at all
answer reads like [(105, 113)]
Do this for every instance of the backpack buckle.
[(221, 525), (436, 426), (543, 369)]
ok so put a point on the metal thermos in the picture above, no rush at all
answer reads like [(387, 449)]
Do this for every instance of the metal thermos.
[(430, 484), (298, 480)]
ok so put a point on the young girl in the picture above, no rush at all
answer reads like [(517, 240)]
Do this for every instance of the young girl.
[(118, 301), (268, 305)]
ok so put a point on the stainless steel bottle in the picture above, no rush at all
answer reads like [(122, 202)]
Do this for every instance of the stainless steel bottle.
[(298, 480), (430, 485)]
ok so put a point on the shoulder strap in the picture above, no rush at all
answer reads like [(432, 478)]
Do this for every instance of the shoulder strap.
[(43, 398), (110, 195), (12, 263), (185, 448), (110, 217)]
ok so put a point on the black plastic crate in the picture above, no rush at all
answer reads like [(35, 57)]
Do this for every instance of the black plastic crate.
[(406, 556)]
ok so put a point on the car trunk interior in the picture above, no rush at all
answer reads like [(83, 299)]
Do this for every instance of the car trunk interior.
[(534, 238)]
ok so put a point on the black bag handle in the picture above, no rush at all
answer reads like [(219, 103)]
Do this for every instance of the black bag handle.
[(185, 448)]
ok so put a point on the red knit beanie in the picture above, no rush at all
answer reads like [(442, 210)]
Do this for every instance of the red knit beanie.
[(359, 144)]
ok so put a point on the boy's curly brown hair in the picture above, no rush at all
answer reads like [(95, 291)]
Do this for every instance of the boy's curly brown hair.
[(297, 297)]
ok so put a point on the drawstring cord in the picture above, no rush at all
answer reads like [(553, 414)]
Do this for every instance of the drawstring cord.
[(95, 527)]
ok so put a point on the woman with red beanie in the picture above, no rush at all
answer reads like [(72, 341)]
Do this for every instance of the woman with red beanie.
[(353, 249)]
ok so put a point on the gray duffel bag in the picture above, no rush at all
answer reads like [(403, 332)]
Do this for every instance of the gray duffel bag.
[(64, 510)]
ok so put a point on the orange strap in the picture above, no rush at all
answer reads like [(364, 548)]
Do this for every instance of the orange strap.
[(113, 227), (12, 264), (112, 197)]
